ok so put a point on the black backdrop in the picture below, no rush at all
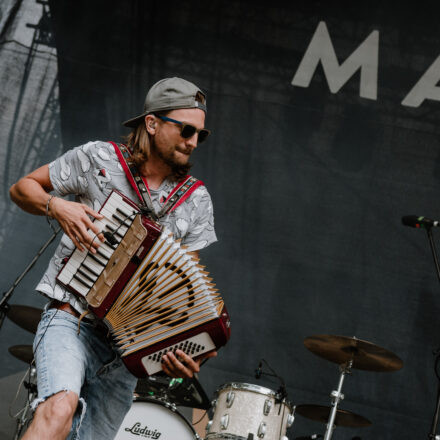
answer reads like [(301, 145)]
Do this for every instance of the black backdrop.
[(308, 186)]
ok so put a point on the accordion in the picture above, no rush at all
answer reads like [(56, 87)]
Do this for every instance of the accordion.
[(151, 293)]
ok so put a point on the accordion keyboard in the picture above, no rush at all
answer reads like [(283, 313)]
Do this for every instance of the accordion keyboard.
[(83, 268)]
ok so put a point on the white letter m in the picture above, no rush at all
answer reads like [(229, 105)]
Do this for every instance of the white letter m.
[(365, 57)]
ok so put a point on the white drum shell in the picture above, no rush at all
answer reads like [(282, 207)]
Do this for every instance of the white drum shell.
[(248, 409), (152, 419)]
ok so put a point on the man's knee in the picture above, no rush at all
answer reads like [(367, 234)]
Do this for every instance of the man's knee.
[(58, 410)]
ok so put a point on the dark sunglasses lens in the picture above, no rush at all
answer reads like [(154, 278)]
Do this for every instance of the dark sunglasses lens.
[(203, 134), (188, 131)]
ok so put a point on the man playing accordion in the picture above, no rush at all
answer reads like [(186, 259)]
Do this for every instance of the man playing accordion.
[(80, 375)]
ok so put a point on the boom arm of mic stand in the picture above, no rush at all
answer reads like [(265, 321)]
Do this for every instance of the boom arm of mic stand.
[(6, 295)]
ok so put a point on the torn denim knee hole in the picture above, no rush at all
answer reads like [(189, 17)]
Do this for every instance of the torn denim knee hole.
[(81, 416), (36, 402)]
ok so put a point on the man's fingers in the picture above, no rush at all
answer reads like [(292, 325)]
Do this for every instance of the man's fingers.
[(75, 241), (167, 370), (211, 354), (95, 231), (189, 361), (177, 367), (92, 212), (88, 240)]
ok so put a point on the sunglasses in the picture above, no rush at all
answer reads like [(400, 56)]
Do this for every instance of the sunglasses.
[(187, 130)]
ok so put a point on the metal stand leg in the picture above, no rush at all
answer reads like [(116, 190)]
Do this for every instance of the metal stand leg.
[(26, 414), (336, 396), (432, 435)]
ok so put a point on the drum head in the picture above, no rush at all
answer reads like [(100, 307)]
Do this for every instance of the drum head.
[(151, 419)]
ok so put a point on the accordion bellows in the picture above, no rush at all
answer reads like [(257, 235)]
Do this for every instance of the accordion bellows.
[(152, 293)]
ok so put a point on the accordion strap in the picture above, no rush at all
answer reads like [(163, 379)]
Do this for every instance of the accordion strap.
[(177, 196)]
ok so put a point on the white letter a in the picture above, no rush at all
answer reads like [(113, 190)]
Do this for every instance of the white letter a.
[(426, 87)]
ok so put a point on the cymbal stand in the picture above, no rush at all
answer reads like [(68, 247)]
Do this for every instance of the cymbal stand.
[(433, 434), (26, 411), (4, 306), (337, 396)]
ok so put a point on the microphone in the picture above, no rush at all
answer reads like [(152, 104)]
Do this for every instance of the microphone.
[(110, 238), (419, 222), (259, 370)]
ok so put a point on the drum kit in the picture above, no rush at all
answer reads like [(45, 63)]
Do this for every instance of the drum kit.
[(239, 411)]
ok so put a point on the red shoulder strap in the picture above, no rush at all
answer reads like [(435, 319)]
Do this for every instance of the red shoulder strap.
[(176, 197)]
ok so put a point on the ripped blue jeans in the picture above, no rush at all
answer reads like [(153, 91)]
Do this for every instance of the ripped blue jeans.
[(87, 365)]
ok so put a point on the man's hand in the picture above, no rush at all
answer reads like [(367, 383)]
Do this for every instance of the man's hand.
[(183, 365), (31, 193), (74, 219)]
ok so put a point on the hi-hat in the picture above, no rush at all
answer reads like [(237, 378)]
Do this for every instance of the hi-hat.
[(25, 316), (321, 414), (342, 349), (22, 352)]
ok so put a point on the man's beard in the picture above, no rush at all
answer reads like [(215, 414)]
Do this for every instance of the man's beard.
[(178, 170)]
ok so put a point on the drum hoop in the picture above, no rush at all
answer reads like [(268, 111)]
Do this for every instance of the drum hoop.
[(215, 436), (254, 389), (247, 387), (169, 406)]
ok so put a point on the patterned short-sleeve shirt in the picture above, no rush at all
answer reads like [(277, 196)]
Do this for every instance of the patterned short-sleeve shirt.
[(91, 172)]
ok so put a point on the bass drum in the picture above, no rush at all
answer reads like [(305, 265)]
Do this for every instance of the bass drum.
[(150, 418)]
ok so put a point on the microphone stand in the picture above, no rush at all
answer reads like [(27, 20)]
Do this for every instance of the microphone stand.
[(4, 306), (282, 390), (432, 435)]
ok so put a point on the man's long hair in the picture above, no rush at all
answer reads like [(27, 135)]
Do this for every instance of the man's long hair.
[(140, 143)]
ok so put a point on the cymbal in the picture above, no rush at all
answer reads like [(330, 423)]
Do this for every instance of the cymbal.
[(22, 352), (25, 316), (321, 414), (365, 355)]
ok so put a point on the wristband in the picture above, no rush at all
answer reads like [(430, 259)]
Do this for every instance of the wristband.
[(47, 212)]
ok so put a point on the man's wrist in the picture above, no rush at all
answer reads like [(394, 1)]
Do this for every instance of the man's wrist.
[(49, 212)]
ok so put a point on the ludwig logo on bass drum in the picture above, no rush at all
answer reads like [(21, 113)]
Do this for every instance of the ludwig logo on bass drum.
[(136, 429)]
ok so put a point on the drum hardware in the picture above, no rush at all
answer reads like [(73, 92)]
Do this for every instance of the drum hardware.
[(230, 399), (224, 422), (267, 407), (427, 224), (308, 437), (26, 413), (262, 430), (259, 371), (349, 353), (186, 392), (4, 306), (337, 396)]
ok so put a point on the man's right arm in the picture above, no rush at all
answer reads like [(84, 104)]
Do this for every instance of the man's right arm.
[(31, 193)]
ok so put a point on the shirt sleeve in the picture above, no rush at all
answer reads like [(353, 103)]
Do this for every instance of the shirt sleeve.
[(68, 173), (201, 232)]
